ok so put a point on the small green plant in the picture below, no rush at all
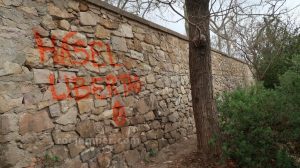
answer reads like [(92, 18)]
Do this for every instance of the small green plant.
[(51, 160), (152, 152)]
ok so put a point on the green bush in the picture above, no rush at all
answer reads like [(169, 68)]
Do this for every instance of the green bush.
[(261, 127)]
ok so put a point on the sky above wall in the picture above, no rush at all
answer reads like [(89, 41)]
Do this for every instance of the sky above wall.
[(168, 18)]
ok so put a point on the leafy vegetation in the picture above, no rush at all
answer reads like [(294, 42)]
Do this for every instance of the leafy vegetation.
[(261, 127)]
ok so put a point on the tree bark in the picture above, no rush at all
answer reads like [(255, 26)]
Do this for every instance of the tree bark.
[(201, 77)]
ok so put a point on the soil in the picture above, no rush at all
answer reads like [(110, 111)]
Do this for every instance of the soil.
[(182, 154)]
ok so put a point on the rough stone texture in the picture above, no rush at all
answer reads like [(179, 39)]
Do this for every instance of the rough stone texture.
[(98, 58), (119, 43), (86, 129), (75, 149), (87, 19), (69, 117), (64, 137), (104, 160), (41, 75), (35, 122), (85, 105)]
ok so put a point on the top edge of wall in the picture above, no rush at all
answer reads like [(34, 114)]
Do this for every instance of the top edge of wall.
[(134, 17), (226, 55)]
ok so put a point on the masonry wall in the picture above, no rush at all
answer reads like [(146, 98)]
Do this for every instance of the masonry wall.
[(83, 84)]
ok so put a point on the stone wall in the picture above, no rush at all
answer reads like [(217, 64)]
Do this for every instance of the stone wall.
[(83, 84), (229, 73)]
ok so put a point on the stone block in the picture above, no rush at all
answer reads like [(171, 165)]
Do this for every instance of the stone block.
[(87, 19), (41, 76), (35, 122), (64, 137), (149, 116), (70, 117), (104, 160), (57, 12), (76, 148), (119, 43), (54, 110), (132, 157), (86, 129), (85, 105)]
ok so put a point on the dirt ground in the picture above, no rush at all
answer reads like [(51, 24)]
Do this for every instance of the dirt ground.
[(182, 154)]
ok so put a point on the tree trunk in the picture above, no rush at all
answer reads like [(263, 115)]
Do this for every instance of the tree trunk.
[(201, 77)]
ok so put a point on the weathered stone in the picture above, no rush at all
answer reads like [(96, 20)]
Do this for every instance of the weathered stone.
[(150, 78), (7, 124), (173, 117), (151, 145), (117, 102), (136, 55), (57, 12), (155, 124), (60, 151), (85, 105), (107, 114), (147, 47), (35, 122), (75, 38), (83, 7), (149, 116), (109, 58), (114, 138), (119, 43), (64, 24), (144, 127), (75, 148), (88, 154), (101, 32), (90, 66), (135, 142), (30, 10), (86, 29), (129, 131), (69, 117), (142, 107), (162, 143), (175, 134), (109, 24), (170, 127), (153, 61), (12, 2), (132, 157), (100, 103), (10, 154), (59, 91), (10, 68), (86, 129), (121, 146), (125, 30), (7, 103), (151, 134), (54, 110), (63, 76), (41, 31), (152, 102), (74, 5), (74, 163), (48, 23), (104, 160), (41, 76), (64, 137), (67, 104), (87, 19)]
